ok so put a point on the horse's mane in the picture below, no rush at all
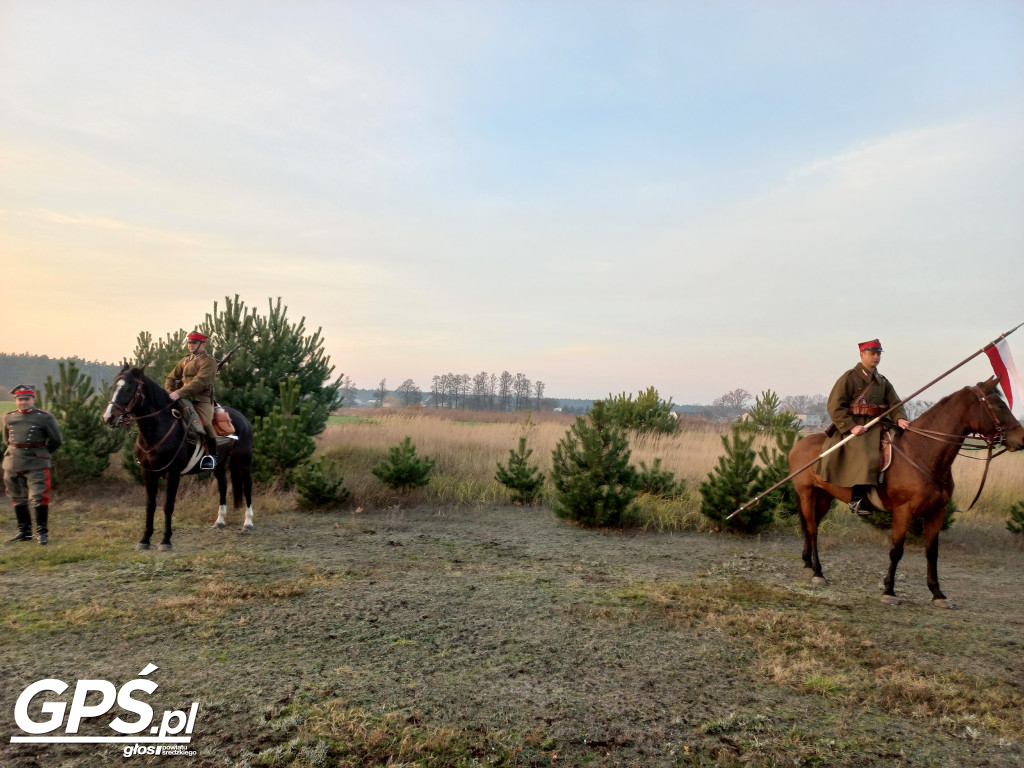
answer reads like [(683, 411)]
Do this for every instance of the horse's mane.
[(936, 409), (153, 391)]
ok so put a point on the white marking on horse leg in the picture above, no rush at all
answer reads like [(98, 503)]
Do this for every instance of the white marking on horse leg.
[(222, 516), (248, 520)]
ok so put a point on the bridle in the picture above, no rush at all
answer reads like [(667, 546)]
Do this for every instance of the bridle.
[(126, 418), (991, 440)]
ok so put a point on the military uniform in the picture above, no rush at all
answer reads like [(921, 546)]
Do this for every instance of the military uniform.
[(31, 437), (856, 462), (196, 374)]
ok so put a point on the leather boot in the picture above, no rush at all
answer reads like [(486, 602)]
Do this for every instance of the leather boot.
[(209, 461), (24, 523), (858, 505), (42, 517)]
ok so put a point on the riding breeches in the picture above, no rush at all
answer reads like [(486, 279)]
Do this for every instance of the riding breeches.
[(205, 412), (32, 485)]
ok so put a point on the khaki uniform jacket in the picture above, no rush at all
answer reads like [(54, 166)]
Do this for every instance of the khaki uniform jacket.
[(197, 373), (30, 428), (856, 463)]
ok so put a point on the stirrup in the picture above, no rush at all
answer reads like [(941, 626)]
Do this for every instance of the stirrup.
[(857, 507), (207, 463)]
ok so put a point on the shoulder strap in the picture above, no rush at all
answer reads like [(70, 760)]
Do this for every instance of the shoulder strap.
[(865, 390)]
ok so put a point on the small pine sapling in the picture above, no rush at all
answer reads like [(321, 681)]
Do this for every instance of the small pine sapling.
[(1016, 522), (403, 469), (318, 484), (656, 481), (524, 481), (736, 480)]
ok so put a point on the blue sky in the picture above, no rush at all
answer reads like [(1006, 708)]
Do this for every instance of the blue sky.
[(604, 196)]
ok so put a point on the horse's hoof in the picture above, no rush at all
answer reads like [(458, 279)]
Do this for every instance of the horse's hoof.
[(248, 527), (942, 603), (164, 548), (818, 580), (218, 526), (890, 600), (140, 547)]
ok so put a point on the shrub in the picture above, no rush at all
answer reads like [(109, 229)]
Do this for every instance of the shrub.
[(518, 476), (1016, 522), (735, 481), (766, 416), (656, 481), (594, 483), (318, 484), (403, 469), (648, 413)]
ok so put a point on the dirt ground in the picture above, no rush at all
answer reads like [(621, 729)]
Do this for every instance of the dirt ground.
[(505, 636)]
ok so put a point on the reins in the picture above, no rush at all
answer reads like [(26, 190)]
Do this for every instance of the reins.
[(991, 441), (128, 418)]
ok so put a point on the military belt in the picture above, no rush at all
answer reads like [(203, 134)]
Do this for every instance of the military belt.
[(862, 409), (28, 445)]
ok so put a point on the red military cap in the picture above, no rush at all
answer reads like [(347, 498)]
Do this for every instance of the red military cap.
[(196, 336), (24, 390), (871, 346)]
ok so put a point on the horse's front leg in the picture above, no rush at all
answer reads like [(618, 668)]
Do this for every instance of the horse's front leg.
[(900, 524), (172, 491), (812, 509), (152, 484), (222, 489), (932, 526)]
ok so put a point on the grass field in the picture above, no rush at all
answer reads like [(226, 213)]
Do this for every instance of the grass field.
[(448, 628)]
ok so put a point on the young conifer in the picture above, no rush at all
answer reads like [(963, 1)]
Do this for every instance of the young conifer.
[(735, 481), (524, 481), (403, 469), (594, 482)]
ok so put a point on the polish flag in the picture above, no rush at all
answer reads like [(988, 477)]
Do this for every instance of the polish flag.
[(1002, 364)]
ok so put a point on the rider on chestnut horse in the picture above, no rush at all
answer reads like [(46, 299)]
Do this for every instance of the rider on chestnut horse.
[(860, 394)]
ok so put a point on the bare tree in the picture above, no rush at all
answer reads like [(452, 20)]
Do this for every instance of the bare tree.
[(381, 392), (409, 394), (480, 391), (505, 389), (538, 389), (521, 389)]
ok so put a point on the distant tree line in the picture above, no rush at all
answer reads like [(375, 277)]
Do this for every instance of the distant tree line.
[(482, 392), (35, 369)]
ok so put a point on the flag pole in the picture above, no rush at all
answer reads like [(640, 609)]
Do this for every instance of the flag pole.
[(754, 501)]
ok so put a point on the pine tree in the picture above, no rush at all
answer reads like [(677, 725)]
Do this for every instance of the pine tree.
[(656, 481), (1016, 522), (648, 413), (88, 442), (403, 469), (735, 481), (594, 482), (284, 440), (776, 467), (523, 480), (318, 484)]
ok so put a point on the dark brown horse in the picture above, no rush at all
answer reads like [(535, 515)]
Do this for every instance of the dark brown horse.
[(919, 481), (164, 450)]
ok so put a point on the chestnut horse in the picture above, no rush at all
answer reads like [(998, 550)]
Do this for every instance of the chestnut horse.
[(164, 450), (918, 483)]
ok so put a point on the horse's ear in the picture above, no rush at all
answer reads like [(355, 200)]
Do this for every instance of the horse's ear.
[(142, 370), (124, 365), (989, 386)]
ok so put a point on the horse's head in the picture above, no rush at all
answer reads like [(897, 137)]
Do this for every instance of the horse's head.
[(995, 419), (125, 394)]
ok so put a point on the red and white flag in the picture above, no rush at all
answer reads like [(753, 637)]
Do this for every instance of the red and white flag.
[(1002, 364)]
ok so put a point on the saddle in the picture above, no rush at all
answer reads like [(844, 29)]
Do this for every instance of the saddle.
[(884, 461)]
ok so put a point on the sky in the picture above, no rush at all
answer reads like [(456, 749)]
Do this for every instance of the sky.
[(603, 196)]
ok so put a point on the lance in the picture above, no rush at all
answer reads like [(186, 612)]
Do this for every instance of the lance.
[(754, 501)]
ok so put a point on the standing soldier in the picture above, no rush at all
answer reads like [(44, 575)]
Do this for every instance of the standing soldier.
[(191, 384), (860, 394), (31, 435)]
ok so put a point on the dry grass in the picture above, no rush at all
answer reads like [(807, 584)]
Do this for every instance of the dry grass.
[(466, 453)]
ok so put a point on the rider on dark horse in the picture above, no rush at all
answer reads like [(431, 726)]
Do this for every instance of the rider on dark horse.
[(191, 384), (860, 394)]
